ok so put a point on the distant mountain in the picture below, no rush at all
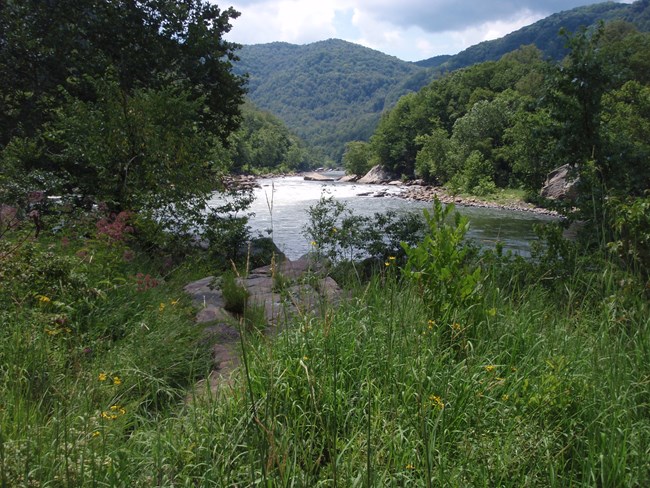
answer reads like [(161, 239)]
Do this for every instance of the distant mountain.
[(544, 33), (333, 91), (328, 92)]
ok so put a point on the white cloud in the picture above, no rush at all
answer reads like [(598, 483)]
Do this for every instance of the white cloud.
[(409, 29)]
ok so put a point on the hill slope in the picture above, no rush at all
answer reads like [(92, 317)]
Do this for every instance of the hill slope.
[(333, 91), (329, 92), (544, 33)]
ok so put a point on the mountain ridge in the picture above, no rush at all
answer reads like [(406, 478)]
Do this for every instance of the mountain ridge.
[(334, 91)]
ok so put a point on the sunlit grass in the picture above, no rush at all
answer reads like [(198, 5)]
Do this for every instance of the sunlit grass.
[(537, 385)]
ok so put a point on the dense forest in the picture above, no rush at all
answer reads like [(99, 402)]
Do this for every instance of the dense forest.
[(333, 92), (328, 92), (509, 122)]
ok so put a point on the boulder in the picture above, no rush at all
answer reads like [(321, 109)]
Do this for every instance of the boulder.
[(348, 178), (313, 176), (561, 184), (376, 176), (260, 252)]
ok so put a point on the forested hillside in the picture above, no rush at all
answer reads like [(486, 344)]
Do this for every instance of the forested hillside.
[(333, 92), (544, 34), (329, 92)]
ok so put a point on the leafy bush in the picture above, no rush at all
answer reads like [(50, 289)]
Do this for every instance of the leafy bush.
[(441, 263), (337, 234), (631, 226)]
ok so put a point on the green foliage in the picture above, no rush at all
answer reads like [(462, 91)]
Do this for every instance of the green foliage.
[(49, 45), (234, 293), (356, 158), (477, 175), (339, 235), (440, 264), (328, 92), (541, 384), (333, 92), (436, 160), (433, 132), (543, 33), (631, 225), (264, 143), (139, 152), (90, 115)]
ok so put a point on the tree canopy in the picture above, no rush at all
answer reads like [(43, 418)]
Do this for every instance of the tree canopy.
[(125, 101)]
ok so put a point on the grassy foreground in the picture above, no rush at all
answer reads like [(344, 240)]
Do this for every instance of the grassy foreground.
[(521, 381)]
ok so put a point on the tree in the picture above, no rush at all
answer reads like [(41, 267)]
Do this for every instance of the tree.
[(129, 101), (436, 160), (356, 158), (51, 44)]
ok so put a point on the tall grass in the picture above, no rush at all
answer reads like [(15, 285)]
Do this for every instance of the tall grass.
[(536, 383)]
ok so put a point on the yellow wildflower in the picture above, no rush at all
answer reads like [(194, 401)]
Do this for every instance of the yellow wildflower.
[(409, 466), (161, 307), (102, 376), (391, 258), (313, 243), (96, 433), (174, 302), (43, 299), (455, 326), (490, 368), (117, 380), (431, 324), (436, 402), (109, 416)]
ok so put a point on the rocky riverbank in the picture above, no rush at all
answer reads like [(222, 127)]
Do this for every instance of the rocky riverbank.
[(426, 193)]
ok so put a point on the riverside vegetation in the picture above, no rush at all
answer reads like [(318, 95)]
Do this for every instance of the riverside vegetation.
[(448, 366), (444, 364)]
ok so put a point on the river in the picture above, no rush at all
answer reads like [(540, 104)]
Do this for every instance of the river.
[(280, 208)]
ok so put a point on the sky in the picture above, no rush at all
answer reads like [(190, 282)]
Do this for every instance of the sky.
[(411, 30)]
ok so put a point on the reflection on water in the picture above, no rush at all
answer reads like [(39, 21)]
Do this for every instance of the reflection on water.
[(280, 210)]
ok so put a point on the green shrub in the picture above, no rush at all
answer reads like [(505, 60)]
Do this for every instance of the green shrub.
[(441, 263), (234, 293)]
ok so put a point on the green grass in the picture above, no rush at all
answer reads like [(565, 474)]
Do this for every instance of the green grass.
[(502, 196), (534, 384)]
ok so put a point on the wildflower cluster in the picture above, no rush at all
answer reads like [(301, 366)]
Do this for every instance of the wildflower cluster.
[(113, 413), (145, 282), (163, 305), (115, 228), (436, 402), (115, 380)]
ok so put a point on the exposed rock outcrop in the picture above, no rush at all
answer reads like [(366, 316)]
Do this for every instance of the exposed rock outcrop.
[(348, 178), (279, 291), (376, 176), (561, 184), (313, 176)]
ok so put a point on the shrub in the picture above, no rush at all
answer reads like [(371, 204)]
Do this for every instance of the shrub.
[(235, 295), (337, 234), (441, 264)]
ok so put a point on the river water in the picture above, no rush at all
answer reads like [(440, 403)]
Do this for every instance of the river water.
[(280, 211)]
